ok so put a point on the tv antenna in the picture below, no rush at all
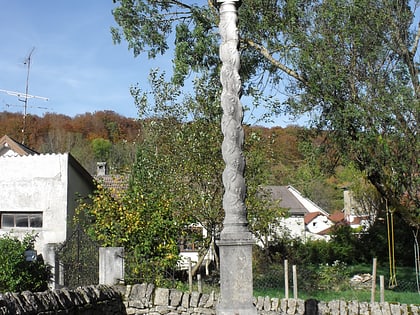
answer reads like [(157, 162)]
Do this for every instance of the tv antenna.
[(24, 97)]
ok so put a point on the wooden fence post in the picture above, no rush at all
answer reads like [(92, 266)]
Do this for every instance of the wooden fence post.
[(295, 284), (199, 284), (190, 280), (372, 298), (382, 288), (286, 279)]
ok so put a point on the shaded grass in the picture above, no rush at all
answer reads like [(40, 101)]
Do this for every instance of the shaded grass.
[(347, 295)]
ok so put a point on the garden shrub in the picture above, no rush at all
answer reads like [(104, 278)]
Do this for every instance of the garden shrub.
[(17, 274)]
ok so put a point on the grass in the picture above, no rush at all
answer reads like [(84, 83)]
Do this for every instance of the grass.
[(326, 296), (401, 294)]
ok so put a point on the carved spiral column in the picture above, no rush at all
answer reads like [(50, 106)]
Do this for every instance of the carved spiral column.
[(233, 175), (235, 244)]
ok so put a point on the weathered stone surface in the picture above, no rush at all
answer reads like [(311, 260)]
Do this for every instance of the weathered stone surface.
[(203, 300), (353, 307), (175, 297), (211, 300), (300, 307), (267, 303), (195, 298), (106, 301), (260, 303), (291, 306), (395, 309), (275, 302), (161, 296), (138, 291), (185, 300), (283, 306)]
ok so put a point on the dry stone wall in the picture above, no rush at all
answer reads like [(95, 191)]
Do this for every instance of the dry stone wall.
[(91, 300), (142, 299)]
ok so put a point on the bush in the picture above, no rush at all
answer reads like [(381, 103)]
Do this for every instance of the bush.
[(17, 274), (334, 277)]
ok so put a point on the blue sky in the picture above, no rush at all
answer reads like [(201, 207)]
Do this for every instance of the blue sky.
[(75, 63)]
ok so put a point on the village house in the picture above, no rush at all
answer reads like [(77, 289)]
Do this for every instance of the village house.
[(39, 194)]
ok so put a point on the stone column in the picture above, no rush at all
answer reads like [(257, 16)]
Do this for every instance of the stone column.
[(235, 244)]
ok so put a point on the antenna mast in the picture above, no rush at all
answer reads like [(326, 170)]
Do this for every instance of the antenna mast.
[(27, 62), (24, 97)]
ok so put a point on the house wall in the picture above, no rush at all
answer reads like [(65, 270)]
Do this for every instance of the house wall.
[(36, 183), (295, 225), (80, 185), (318, 224)]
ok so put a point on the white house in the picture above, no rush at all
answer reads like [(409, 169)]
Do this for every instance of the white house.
[(39, 194), (305, 219)]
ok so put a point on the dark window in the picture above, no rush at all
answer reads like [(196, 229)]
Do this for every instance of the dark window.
[(192, 240), (21, 220)]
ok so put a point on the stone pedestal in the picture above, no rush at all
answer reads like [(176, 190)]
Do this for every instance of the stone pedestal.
[(236, 291)]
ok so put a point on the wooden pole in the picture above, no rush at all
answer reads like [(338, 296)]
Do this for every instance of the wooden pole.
[(190, 280), (286, 279), (372, 298), (295, 284), (382, 288), (199, 284)]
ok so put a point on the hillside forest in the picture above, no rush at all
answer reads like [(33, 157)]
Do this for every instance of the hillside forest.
[(275, 156), (110, 137)]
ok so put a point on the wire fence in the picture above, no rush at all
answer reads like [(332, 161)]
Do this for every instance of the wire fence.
[(327, 282), (336, 281), (309, 279)]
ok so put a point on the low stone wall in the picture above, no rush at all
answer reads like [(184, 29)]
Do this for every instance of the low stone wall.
[(142, 299), (82, 301)]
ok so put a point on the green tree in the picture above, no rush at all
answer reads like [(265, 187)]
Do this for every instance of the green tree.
[(101, 148), (351, 64), (185, 136), (17, 274)]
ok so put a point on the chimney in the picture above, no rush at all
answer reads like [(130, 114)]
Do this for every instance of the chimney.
[(101, 169)]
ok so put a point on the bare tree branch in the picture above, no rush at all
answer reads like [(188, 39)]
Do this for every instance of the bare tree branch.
[(264, 51)]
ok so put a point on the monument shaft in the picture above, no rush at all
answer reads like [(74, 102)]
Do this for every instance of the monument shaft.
[(236, 291)]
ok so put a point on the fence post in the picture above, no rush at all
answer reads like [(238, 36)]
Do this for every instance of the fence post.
[(286, 279), (382, 288), (199, 284), (295, 284), (190, 280), (372, 298)]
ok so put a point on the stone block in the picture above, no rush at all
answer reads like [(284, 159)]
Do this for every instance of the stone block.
[(260, 303), (323, 308), (395, 309), (204, 311), (138, 292), (203, 300), (195, 298), (175, 297), (185, 300), (267, 303), (161, 296), (300, 307), (275, 302), (291, 306), (211, 302), (353, 307), (375, 309), (283, 306)]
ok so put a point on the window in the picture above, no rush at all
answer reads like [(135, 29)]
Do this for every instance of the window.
[(192, 240), (21, 220)]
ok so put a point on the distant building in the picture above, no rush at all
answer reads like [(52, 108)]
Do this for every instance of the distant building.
[(39, 194), (305, 220)]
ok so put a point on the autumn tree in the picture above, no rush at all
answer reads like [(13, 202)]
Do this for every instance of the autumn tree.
[(186, 131), (352, 65)]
